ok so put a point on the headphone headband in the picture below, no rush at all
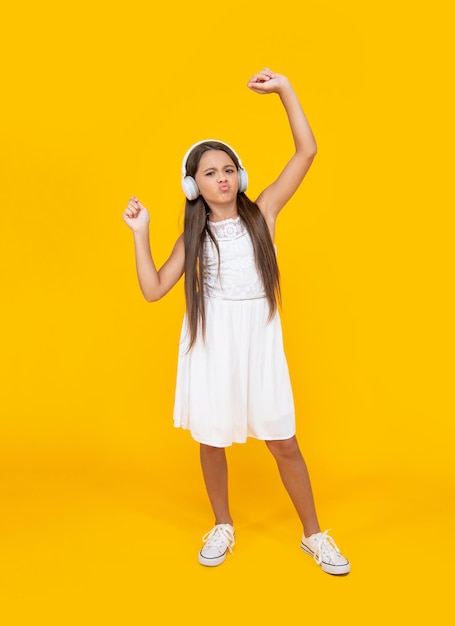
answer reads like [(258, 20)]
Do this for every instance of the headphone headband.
[(199, 143)]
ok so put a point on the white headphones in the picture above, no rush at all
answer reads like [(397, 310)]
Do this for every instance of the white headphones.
[(189, 185)]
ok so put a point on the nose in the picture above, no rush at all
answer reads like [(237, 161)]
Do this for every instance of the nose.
[(222, 177)]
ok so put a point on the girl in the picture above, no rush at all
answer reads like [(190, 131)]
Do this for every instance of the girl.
[(232, 378)]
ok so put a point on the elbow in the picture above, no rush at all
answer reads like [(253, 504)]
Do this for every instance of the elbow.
[(306, 157), (310, 156), (152, 296), (151, 290), (312, 152)]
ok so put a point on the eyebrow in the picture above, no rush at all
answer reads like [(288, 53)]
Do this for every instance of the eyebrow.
[(214, 168)]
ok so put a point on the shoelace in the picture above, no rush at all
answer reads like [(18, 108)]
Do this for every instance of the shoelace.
[(218, 537), (325, 549)]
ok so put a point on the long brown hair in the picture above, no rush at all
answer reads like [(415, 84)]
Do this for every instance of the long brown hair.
[(197, 229)]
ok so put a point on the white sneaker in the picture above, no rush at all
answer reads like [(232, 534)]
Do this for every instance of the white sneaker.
[(326, 553), (217, 543)]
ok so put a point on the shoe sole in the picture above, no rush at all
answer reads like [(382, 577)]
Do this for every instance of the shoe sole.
[(335, 570), (213, 562)]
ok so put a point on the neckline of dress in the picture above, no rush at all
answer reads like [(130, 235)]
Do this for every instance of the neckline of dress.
[(228, 219)]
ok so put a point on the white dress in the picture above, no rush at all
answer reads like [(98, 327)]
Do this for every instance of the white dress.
[(235, 384)]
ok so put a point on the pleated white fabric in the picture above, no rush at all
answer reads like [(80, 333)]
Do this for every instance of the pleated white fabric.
[(235, 384)]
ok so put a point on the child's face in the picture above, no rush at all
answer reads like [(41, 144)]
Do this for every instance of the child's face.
[(217, 177)]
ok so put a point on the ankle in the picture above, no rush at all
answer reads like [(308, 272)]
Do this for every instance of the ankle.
[(311, 530), (224, 520)]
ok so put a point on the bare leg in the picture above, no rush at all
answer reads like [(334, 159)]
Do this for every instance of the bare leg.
[(215, 472), (294, 474)]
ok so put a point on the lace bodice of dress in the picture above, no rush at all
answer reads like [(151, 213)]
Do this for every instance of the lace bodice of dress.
[(235, 276), (230, 228)]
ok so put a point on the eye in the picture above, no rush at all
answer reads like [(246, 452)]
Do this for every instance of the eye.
[(230, 170)]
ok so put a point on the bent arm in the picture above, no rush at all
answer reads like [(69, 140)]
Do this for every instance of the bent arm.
[(155, 283), (276, 195)]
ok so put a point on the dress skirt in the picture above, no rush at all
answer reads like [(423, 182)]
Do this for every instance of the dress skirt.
[(235, 384)]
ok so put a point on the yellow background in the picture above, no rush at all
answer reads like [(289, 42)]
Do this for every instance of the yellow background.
[(103, 504)]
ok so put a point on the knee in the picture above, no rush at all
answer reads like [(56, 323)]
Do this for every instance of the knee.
[(211, 451), (284, 448)]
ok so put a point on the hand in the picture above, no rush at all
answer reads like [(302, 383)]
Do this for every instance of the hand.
[(267, 81), (136, 215)]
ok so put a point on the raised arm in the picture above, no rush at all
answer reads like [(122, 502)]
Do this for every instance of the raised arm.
[(154, 283), (276, 195)]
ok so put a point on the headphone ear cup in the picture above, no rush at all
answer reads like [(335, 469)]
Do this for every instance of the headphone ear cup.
[(243, 180), (190, 188)]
